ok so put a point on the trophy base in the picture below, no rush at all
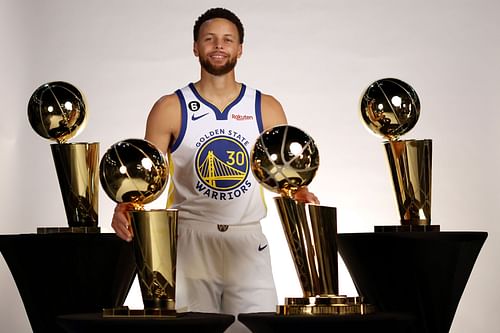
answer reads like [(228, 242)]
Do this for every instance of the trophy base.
[(67, 230), (324, 305), (125, 312), (407, 228)]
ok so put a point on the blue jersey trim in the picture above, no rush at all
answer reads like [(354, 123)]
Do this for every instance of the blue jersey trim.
[(182, 102), (219, 115), (236, 101), (258, 111)]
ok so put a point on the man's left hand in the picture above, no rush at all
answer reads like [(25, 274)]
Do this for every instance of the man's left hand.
[(303, 195)]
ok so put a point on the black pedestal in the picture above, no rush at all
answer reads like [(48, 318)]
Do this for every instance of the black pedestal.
[(377, 322), (187, 323), (68, 273), (423, 273)]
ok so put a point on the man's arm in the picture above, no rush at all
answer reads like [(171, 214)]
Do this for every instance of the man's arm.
[(272, 112), (162, 128), (164, 122), (273, 115)]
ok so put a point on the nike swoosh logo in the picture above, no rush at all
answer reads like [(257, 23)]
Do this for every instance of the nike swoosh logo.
[(194, 117), (262, 247)]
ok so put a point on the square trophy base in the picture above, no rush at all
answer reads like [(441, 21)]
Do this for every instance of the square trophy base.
[(324, 305), (125, 312), (67, 230), (407, 228)]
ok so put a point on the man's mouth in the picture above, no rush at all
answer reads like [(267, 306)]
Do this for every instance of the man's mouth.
[(218, 56)]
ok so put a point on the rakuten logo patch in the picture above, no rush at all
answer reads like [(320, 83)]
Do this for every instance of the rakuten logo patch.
[(241, 117)]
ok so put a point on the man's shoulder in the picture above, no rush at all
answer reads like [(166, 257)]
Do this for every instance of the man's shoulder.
[(272, 111), (167, 106), (270, 101), (167, 101)]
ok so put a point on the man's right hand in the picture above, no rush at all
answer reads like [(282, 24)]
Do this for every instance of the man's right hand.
[(121, 221)]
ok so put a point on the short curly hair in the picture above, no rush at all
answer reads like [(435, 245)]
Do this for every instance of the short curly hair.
[(218, 13)]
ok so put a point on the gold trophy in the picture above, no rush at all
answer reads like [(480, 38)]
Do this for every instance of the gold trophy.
[(284, 159), (391, 108), (57, 111), (134, 171)]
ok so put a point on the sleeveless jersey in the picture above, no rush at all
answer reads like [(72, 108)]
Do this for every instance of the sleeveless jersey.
[(211, 179)]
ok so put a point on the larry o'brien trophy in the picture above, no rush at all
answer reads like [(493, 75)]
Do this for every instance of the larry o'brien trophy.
[(57, 111), (134, 171), (391, 108), (284, 159)]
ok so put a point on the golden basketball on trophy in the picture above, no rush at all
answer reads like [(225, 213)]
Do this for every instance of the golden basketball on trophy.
[(57, 111), (284, 159), (390, 108), (134, 171)]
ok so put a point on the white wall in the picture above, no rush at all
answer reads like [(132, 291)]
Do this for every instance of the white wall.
[(316, 57)]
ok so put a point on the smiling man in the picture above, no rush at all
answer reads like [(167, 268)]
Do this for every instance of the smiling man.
[(208, 129)]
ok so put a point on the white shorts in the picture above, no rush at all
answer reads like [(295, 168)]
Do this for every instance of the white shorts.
[(224, 271)]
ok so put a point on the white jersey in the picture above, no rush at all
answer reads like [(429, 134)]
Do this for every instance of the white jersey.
[(211, 179)]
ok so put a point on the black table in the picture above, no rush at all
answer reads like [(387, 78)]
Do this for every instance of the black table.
[(422, 273), (375, 322), (68, 273), (190, 322)]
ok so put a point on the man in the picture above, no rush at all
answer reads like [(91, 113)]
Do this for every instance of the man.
[(208, 129)]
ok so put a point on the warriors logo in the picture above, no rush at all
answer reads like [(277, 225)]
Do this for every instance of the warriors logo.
[(222, 163)]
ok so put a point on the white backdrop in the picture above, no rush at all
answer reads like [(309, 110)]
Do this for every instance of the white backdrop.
[(316, 57)]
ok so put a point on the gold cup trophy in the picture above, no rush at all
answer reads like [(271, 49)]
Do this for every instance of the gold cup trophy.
[(284, 159), (134, 171), (57, 111), (390, 108)]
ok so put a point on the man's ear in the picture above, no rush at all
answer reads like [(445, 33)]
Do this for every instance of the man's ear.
[(240, 50), (195, 49)]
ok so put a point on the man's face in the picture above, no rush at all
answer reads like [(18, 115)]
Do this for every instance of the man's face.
[(218, 47)]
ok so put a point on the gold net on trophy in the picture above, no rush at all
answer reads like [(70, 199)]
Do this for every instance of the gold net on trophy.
[(284, 159), (57, 111), (390, 108), (135, 172)]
